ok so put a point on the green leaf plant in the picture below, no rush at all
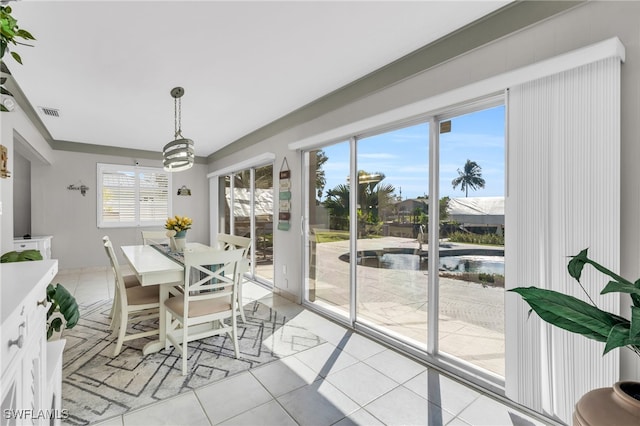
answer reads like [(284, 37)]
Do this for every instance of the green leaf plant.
[(584, 318), (61, 301), (10, 34)]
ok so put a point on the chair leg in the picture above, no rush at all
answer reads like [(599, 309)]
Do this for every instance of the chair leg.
[(115, 308), (234, 331), (184, 350), (240, 302), (123, 317)]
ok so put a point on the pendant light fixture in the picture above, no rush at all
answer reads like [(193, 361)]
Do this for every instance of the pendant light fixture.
[(178, 154)]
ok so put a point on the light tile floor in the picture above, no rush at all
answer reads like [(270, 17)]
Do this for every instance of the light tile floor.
[(349, 380)]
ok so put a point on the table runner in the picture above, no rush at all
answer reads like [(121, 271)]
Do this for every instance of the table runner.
[(179, 257), (166, 250)]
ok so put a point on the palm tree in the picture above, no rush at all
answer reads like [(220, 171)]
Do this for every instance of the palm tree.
[(471, 177), (337, 202)]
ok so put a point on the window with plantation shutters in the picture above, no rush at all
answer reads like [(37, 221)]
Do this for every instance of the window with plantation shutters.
[(132, 196)]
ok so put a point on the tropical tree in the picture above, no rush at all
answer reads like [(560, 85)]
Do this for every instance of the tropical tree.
[(373, 195), (321, 179), (337, 202), (470, 177)]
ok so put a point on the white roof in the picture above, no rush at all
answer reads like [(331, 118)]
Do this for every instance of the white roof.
[(477, 206), (242, 204)]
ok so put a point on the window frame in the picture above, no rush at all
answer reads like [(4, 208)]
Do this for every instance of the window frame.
[(103, 168)]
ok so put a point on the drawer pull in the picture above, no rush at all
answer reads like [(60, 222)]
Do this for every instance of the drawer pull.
[(42, 302), (20, 340)]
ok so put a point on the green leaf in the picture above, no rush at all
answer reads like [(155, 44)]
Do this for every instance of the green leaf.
[(618, 287), (635, 322), (16, 57), (3, 108), (576, 264), (11, 256), (570, 313), (60, 297), (56, 323), (25, 34), (29, 255), (618, 337)]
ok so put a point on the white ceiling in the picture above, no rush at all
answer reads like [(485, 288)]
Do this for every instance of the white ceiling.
[(109, 66)]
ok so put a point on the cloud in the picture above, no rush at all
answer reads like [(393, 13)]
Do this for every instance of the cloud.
[(379, 156)]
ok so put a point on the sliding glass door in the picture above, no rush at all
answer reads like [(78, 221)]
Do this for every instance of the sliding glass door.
[(471, 238), (248, 211), (327, 204), (392, 214), (414, 250)]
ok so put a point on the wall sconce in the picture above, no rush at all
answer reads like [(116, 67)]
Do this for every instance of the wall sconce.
[(82, 188), (184, 190)]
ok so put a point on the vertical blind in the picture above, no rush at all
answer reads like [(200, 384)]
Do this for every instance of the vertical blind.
[(563, 196), (132, 196)]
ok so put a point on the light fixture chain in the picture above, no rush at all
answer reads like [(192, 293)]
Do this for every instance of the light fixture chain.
[(177, 112)]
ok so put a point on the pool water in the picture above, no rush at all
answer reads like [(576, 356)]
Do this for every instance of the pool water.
[(413, 262)]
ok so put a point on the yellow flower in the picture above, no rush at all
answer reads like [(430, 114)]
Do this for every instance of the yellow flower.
[(178, 223)]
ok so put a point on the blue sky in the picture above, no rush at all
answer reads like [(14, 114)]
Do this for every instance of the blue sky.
[(403, 156)]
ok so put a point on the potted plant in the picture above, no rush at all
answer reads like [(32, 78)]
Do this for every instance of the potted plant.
[(599, 406), (62, 302), (9, 35)]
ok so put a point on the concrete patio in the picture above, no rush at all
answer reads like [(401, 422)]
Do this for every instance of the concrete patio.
[(471, 315)]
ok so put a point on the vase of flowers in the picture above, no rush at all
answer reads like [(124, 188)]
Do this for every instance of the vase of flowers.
[(179, 224)]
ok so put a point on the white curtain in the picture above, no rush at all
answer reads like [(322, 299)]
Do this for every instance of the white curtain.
[(563, 195)]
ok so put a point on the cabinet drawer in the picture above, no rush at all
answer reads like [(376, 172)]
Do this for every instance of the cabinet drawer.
[(27, 322), (14, 336), (25, 246)]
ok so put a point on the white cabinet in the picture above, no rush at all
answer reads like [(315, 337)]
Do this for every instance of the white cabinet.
[(41, 243), (26, 387)]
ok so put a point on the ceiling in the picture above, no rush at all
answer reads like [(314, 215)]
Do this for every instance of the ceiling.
[(109, 66)]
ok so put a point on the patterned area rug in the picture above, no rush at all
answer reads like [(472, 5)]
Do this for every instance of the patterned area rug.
[(96, 385)]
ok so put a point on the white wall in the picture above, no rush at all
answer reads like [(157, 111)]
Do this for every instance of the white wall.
[(71, 217), (21, 175), (582, 26), (14, 125)]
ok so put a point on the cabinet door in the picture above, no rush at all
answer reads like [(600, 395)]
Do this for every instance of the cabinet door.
[(33, 382), (10, 393)]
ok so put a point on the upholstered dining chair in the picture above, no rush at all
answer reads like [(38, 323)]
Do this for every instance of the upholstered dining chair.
[(154, 237), (232, 242), (135, 303), (209, 298), (129, 281)]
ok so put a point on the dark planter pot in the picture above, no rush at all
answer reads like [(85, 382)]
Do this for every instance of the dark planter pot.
[(618, 405)]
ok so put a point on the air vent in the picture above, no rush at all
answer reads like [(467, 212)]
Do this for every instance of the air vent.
[(51, 112)]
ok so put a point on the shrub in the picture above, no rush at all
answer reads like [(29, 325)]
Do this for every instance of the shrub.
[(470, 238)]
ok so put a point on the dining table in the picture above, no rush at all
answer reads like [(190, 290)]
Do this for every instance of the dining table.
[(156, 264)]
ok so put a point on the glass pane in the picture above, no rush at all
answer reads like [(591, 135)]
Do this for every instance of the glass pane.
[(328, 219), (263, 213), (393, 181), (471, 278), (226, 184), (242, 203)]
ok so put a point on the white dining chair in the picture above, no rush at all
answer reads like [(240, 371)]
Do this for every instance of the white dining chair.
[(232, 242), (135, 304), (154, 237), (209, 298), (130, 280)]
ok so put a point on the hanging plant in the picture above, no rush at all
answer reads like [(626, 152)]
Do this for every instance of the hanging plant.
[(9, 35)]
